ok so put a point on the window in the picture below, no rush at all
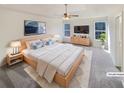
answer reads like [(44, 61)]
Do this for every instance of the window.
[(100, 27), (67, 29)]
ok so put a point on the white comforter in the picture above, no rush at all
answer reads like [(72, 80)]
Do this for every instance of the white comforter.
[(55, 57)]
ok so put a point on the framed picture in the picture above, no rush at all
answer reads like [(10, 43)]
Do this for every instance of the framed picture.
[(34, 27)]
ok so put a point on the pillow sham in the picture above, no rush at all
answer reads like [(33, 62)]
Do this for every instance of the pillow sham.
[(35, 44)]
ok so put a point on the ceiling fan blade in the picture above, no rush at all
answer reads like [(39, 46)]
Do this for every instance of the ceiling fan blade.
[(74, 15)]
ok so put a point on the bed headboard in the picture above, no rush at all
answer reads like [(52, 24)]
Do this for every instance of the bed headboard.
[(28, 38)]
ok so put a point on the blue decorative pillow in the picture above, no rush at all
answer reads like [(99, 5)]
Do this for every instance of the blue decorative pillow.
[(36, 44), (47, 42), (50, 42)]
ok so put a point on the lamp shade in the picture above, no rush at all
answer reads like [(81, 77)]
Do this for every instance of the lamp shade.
[(15, 44)]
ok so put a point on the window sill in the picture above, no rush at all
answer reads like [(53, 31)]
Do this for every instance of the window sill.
[(97, 40)]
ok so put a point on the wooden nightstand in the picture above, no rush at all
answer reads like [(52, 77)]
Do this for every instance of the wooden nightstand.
[(13, 59)]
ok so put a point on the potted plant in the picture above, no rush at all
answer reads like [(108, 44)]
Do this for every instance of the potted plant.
[(102, 39)]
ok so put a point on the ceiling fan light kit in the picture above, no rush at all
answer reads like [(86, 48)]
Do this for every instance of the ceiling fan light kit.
[(65, 18)]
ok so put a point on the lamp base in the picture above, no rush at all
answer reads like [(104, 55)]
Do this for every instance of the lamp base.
[(15, 53)]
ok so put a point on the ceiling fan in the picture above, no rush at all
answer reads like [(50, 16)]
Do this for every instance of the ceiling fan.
[(67, 15)]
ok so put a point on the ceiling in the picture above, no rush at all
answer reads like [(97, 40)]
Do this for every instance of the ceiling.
[(57, 10)]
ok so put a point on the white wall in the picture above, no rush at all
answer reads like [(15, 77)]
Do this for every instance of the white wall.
[(111, 22), (12, 27), (90, 22)]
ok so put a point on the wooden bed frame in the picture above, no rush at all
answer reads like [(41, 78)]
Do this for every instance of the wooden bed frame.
[(58, 78)]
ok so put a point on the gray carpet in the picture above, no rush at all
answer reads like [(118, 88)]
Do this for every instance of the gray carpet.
[(102, 63), (15, 76)]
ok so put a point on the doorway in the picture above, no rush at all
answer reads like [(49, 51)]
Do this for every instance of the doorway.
[(118, 41)]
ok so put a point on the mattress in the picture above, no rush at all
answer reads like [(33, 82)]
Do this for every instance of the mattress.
[(64, 68)]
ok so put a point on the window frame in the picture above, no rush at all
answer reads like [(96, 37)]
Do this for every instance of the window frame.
[(67, 30), (99, 30)]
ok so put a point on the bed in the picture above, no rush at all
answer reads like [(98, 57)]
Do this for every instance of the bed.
[(62, 52)]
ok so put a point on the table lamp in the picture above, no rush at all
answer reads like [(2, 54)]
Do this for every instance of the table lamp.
[(15, 46)]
